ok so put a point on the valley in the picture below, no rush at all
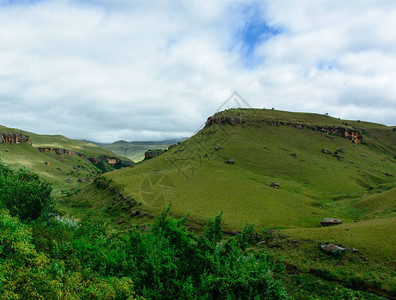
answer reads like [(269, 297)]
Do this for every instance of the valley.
[(283, 172)]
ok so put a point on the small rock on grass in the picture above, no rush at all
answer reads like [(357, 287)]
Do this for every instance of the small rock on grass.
[(332, 249), (330, 222)]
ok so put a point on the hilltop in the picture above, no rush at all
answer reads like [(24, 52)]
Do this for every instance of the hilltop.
[(283, 172)]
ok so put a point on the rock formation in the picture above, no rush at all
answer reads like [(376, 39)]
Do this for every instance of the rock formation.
[(275, 185), (230, 161), (110, 160), (14, 138), (57, 150), (330, 221), (352, 135), (152, 153), (332, 249)]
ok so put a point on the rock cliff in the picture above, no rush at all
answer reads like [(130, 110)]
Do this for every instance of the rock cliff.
[(14, 138), (152, 153), (57, 150), (113, 161), (352, 135)]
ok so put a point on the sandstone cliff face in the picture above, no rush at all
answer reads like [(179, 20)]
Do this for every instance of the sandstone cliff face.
[(57, 150), (350, 134), (110, 160), (14, 138)]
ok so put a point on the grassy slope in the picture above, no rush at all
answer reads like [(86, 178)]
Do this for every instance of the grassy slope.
[(25, 155), (313, 186), (194, 177), (59, 141)]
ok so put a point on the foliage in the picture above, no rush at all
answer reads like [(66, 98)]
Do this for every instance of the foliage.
[(167, 262), (23, 193), (28, 274)]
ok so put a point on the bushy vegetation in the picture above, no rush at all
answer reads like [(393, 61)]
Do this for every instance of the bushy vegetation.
[(54, 258), (23, 193)]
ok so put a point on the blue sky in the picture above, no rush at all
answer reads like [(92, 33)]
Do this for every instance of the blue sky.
[(140, 70)]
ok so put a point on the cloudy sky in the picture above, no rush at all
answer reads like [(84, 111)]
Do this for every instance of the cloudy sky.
[(143, 70)]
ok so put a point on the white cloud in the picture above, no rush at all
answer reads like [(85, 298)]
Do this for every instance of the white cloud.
[(149, 70)]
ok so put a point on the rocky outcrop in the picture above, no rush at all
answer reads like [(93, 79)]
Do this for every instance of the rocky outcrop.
[(330, 221), (14, 138), (275, 185), (352, 135), (325, 151), (152, 153), (332, 249), (224, 120), (230, 161), (56, 150), (110, 160)]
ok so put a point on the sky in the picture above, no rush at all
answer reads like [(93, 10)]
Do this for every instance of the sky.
[(153, 70)]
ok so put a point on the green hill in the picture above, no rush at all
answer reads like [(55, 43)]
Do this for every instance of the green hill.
[(135, 150), (311, 182), (283, 172), (62, 170)]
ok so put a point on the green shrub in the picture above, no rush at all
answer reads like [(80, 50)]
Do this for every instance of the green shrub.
[(23, 193)]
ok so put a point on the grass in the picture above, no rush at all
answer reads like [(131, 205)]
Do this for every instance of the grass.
[(62, 171), (90, 150)]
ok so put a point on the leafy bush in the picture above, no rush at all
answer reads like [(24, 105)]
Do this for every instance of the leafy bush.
[(167, 262), (23, 193), (28, 274)]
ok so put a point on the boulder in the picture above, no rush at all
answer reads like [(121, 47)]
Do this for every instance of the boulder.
[(152, 153), (82, 180), (332, 249), (330, 222), (275, 185), (325, 151), (389, 174), (230, 161), (46, 163)]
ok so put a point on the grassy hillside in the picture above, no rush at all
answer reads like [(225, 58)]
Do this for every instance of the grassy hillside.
[(312, 183), (90, 150), (135, 150), (62, 171), (356, 186)]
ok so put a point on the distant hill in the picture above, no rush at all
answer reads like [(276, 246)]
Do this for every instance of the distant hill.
[(57, 159), (135, 150)]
